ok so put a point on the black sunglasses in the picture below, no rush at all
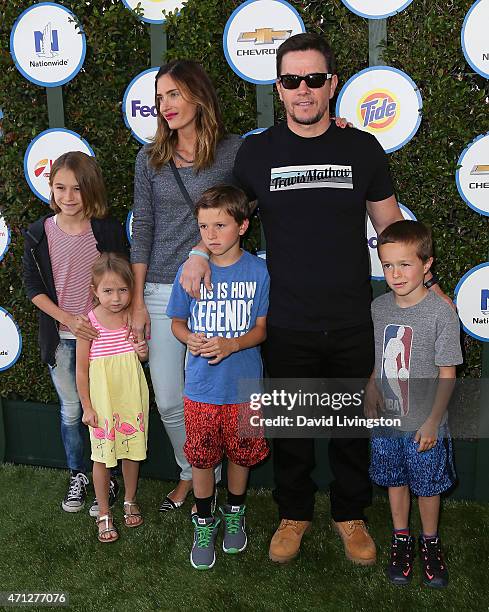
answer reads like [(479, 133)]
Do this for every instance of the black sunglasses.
[(315, 80)]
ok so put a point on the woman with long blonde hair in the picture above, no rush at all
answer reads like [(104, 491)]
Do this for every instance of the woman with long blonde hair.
[(190, 153)]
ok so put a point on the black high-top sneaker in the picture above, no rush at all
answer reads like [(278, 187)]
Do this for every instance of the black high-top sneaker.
[(435, 572), (400, 569)]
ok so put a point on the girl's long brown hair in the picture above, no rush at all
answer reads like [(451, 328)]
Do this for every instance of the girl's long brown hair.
[(89, 178), (195, 86)]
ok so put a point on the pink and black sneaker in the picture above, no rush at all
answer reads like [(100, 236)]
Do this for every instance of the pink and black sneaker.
[(435, 572), (400, 569)]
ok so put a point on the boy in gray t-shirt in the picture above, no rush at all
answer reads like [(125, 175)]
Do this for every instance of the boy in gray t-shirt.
[(417, 346)]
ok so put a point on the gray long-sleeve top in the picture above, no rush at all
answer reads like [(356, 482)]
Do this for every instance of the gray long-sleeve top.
[(164, 229)]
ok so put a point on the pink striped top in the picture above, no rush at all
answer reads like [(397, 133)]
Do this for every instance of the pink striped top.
[(110, 341), (71, 258)]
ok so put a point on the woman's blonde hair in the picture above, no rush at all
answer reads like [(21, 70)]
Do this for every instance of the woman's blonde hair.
[(115, 263), (89, 178), (196, 87)]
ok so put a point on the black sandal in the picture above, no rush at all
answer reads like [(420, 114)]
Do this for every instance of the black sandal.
[(167, 505)]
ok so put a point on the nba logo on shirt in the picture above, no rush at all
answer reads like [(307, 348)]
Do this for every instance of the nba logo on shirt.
[(396, 358)]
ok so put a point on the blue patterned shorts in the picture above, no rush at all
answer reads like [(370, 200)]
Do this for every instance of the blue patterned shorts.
[(396, 462)]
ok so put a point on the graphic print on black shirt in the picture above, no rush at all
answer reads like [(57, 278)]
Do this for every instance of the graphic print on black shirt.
[(311, 177)]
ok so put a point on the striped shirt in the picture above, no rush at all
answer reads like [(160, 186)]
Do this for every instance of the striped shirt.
[(71, 258), (110, 341)]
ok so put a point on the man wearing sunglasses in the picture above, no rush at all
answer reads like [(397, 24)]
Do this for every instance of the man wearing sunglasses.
[(314, 183)]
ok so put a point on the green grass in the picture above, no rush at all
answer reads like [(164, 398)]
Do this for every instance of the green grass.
[(45, 549)]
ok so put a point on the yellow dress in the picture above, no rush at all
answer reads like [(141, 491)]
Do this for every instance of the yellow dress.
[(120, 397)]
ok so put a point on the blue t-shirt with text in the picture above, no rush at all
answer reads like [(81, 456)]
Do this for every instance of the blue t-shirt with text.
[(239, 295)]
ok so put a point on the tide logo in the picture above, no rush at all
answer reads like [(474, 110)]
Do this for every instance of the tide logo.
[(378, 110), (41, 166)]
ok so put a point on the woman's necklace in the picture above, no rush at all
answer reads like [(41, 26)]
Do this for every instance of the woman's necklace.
[(187, 161)]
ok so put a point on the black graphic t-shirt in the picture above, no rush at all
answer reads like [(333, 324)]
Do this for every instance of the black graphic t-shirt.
[(312, 195)]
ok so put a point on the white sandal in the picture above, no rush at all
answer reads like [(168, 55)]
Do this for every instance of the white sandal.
[(106, 518), (128, 513)]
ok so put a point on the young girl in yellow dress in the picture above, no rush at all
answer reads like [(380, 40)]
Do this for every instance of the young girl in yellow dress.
[(113, 391)]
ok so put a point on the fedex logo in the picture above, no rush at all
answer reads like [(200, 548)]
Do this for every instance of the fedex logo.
[(142, 109)]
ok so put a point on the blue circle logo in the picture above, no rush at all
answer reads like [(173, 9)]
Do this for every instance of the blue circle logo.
[(380, 9), (252, 35), (41, 153), (47, 44), (10, 340)]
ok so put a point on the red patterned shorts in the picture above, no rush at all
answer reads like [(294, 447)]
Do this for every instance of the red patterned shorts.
[(214, 431)]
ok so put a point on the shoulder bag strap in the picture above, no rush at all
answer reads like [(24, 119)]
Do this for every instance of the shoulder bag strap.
[(183, 189)]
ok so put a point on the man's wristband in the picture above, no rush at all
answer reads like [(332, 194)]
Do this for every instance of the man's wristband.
[(200, 253), (433, 281)]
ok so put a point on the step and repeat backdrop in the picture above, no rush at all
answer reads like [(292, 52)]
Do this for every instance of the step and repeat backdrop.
[(48, 48)]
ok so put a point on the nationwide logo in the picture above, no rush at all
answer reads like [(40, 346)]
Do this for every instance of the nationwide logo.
[(41, 166), (311, 177), (46, 42), (378, 110), (264, 36), (46, 45), (484, 301)]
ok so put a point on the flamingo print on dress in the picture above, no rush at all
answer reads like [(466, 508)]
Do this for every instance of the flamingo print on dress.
[(141, 421), (109, 434), (99, 433), (124, 428)]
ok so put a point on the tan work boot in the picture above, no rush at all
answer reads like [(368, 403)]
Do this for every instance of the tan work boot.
[(286, 541), (359, 546)]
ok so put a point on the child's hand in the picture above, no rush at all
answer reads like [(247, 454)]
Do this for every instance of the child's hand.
[(219, 348), (427, 436), (140, 347), (90, 417), (195, 343), (374, 402)]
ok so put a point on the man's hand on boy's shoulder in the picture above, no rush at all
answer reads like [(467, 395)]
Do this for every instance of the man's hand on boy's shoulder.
[(219, 348)]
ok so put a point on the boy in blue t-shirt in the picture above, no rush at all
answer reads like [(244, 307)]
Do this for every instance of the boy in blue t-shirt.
[(222, 331)]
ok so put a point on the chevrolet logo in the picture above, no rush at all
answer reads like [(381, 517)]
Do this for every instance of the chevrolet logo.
[(264, 36), (480, 169)]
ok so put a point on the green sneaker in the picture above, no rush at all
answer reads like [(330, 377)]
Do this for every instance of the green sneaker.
[(235, 539), (203, 554)]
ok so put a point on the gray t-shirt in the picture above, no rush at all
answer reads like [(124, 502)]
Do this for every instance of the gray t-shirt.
[(164, 229), (410, 346)]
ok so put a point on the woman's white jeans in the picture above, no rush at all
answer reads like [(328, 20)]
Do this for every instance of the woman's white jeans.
[(167, 364)]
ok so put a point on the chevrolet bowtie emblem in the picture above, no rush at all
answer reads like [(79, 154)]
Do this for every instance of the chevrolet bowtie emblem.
[(480, 169), (264, 36)]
